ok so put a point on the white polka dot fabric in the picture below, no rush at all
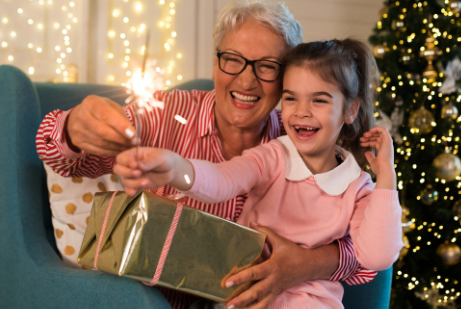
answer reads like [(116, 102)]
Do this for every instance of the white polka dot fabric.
[(71, 200)]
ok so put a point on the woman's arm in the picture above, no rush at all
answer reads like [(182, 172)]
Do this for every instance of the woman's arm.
[(84, 140), (290, 265)]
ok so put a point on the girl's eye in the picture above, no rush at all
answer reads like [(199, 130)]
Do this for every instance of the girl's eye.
[(320, 101), (288, 98)]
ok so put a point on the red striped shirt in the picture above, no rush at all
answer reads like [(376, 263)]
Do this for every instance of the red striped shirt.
[(196, 139)]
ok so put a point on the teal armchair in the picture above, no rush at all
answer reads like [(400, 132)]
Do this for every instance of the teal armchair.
[(32, 275)]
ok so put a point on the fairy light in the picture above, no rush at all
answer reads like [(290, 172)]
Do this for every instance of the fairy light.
[(130, 39)]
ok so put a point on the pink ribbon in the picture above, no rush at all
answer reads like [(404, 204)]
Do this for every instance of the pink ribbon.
[(166, 246), (168, 240), (101, 236)]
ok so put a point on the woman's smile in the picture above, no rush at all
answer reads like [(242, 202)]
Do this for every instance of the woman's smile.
[(244, 100)]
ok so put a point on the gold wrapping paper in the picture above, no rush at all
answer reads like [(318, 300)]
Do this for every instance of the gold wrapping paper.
[(205, 249)]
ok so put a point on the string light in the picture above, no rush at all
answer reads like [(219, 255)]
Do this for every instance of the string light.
[(128, 40)]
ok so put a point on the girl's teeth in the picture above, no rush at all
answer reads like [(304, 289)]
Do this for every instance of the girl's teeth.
[(307, 129)]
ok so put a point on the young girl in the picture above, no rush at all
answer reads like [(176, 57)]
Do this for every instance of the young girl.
[(307, 186)]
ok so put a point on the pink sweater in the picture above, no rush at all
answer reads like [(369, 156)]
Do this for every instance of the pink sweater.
[(310, 210)]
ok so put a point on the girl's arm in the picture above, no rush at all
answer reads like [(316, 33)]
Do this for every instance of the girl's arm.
[(203, 180), (382, 164), (376, 223)]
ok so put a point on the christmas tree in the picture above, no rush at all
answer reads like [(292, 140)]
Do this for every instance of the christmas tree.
[(416, 46)]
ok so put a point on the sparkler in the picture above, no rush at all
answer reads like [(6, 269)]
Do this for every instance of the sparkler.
[(141, 87)]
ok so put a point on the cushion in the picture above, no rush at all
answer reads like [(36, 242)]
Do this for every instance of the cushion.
[(71, 200)]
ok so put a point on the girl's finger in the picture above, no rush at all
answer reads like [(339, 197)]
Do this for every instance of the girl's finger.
[(371, 144), (370, 156), (378, 129), (372, 138), (130, 191), (139, 183), (126, 172), (127, 158)]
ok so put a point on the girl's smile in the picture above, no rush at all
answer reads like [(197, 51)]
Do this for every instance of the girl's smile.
[(312, 113)]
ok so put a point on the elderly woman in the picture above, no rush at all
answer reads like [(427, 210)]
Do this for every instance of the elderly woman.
[(251, 40)]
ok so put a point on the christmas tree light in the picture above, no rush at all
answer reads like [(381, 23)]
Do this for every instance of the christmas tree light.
[(414, 43)]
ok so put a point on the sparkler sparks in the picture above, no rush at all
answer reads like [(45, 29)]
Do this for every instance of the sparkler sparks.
[(180, 119), (141, 87)]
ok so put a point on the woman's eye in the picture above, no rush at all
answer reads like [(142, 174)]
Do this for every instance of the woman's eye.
[(235, 60)]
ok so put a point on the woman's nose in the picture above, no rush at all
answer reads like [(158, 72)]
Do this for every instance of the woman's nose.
[(248, 78)]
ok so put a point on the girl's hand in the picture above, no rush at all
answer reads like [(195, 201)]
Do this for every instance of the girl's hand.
[(156, 168), (382, 164)]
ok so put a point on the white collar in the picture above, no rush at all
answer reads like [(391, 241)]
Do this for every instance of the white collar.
[(333, 182)]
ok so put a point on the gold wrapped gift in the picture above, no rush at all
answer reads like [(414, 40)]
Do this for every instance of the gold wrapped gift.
[(205, 249)]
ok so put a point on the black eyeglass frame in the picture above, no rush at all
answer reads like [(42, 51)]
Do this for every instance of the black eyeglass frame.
[(249, 62)]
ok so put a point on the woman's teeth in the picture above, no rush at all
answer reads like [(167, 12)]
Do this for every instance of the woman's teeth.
[(244, 99)]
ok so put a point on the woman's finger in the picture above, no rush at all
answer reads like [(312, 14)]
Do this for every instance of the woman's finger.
[(263, 303), (90, 148), (113, 115), (254, 273), (105, 130), (255, 293), (90, 137)]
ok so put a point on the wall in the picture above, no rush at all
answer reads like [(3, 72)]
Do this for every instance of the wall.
[(91, 22)]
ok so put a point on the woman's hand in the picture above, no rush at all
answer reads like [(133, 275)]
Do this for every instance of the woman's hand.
[(99, 126), (156, 168), (382, 164), (287, 266)]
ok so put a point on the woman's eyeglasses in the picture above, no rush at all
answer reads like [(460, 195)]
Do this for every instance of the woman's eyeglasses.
[(265, 70)]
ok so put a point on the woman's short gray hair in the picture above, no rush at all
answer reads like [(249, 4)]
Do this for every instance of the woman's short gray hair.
[(273, 13)]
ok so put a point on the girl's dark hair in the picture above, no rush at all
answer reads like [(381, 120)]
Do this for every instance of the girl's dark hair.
[(351, 66)]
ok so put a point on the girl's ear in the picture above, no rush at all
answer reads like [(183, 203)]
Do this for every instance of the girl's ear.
[(352, 112)]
